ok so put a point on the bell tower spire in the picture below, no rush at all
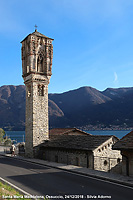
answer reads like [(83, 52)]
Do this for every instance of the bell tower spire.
[(35, 27), (37, 55)]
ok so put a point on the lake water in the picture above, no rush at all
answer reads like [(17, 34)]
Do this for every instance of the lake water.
[(118, 134), (19, 136)]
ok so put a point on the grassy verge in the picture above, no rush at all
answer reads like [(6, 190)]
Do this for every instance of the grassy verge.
[(8, 192)]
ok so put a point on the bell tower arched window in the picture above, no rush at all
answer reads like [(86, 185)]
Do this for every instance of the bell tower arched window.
[(40, 63), (40, 90)]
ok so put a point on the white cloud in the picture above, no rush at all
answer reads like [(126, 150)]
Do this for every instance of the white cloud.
[(115, 77)]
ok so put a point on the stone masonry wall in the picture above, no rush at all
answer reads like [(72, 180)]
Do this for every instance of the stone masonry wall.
[(36, 113), (78, 158), (128, 154), (106, 159), (102, 158), (28, 122), (40, 115)]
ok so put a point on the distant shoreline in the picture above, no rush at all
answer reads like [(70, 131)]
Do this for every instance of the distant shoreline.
[(19, 136), (86, 129), (108, 130)]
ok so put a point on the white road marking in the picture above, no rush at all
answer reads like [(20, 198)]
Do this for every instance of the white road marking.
[(14, 186)]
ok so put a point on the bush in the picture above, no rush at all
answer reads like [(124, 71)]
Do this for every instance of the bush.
[(2, 133), (7, 142)]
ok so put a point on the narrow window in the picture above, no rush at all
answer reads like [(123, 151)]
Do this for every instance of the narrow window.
[(56, 159), (29, 91), (40, 63), (105, 162), (77, 161), (28, 69), (40, 90), (67, 160)]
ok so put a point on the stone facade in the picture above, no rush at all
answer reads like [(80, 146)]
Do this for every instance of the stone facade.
[(127, 162), (69, 157), (106, 159), (94, 152), (37, 54), (126, 147)]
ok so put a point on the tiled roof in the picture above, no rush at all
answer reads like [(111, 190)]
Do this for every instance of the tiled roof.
[(125, 143), (78, 142), (37, 34), (61, 131), (40, 34)]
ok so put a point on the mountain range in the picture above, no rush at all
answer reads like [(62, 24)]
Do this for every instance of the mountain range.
[(86, 108)]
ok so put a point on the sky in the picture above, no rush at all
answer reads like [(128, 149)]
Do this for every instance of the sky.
[(93, 41)]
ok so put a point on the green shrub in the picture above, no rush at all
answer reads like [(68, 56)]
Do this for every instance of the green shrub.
[(2, 133), (7, 142)]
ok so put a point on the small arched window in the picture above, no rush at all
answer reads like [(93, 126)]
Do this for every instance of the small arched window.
[(40, 63), (28, 91), (40, 90), (118, 160), (105, 162)]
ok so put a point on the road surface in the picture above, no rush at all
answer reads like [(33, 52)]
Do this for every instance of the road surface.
[(40, 180)]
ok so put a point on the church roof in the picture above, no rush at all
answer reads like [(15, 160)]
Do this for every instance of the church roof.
[(126, 143), (66, 131), (77, 142), (36, 33)]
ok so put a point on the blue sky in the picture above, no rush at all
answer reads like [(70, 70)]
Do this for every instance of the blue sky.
[(93, 41)]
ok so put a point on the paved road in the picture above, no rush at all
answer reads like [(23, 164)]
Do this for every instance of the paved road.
[(39, 180)]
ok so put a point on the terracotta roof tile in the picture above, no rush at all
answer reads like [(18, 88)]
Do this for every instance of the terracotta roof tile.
[(62, 131)]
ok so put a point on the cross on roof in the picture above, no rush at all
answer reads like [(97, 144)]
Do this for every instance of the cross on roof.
[(35, 27)]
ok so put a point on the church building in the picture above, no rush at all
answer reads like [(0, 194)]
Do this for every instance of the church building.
[(75, 147), (37, 55), (69, 146)]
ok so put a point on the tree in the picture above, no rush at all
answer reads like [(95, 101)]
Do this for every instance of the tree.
[(7, 142), (2, 133)]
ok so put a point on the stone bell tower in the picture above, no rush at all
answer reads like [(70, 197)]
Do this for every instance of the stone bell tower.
[(37, 54)]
